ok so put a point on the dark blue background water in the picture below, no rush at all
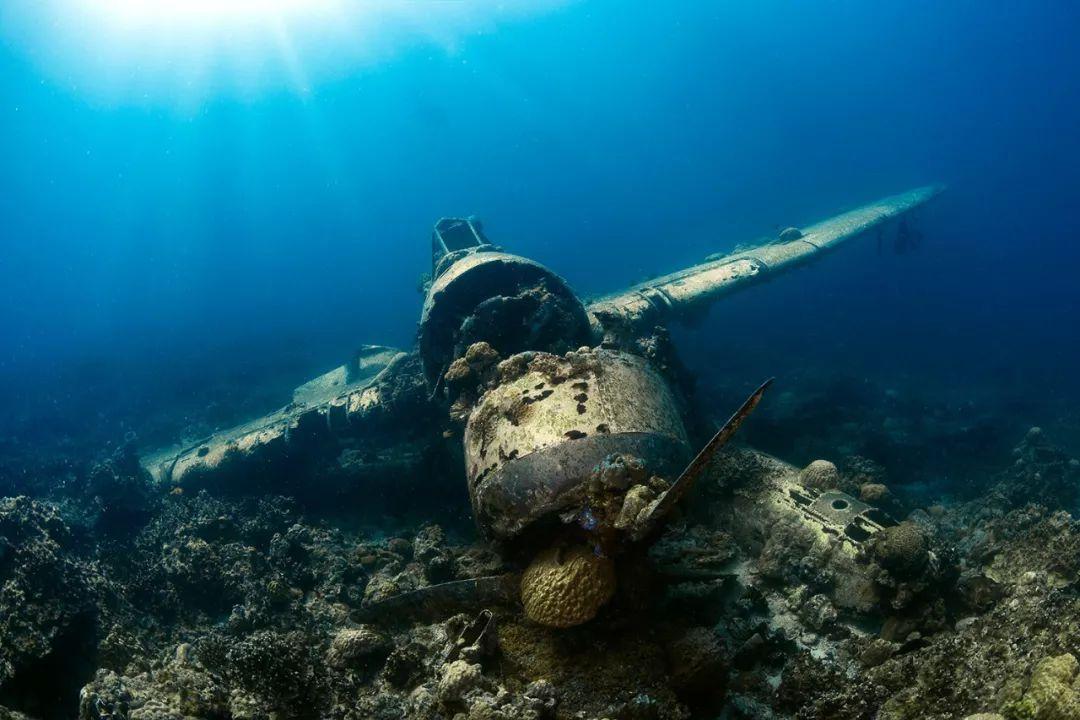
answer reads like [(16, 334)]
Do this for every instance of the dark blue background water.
[(149, 247)]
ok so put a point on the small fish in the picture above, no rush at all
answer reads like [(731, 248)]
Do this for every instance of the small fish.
[(177, 491), (587, 520), (447, 434)]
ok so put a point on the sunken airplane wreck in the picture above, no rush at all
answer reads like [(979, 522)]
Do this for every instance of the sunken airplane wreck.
[(573, 444)]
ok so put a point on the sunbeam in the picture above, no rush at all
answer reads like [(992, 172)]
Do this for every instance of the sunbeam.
[(184, 52)]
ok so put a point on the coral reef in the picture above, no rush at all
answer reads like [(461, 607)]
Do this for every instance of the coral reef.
[(47, 603), (774, 593), (1041, 473)]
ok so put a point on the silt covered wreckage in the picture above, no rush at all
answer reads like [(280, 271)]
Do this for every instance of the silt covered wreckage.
[(564, 419), (628, 561)]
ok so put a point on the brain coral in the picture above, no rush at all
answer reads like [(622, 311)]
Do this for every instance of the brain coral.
[(901, 547), (564, 587), (820, 474)]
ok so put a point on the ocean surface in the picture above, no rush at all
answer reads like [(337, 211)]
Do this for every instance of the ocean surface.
[(201, 209)]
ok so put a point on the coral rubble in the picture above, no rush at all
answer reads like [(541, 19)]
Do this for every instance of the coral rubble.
[(776, 593)]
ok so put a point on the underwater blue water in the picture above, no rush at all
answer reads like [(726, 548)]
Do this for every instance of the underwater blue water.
[(610, 141)]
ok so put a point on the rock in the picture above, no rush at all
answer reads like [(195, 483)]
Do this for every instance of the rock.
[(1041, 473), (429, 549), (699, 662), (481, 355), (356, 646), (477, 561), (818, 613), (456, 679), (637, 499), (405, 665), (121, 491), (543, 697), (876, 652), (619, 472), (277, 668), (786, 555), (399, 546), (394, 579), (45, 592), (458, 373), (181, 688)]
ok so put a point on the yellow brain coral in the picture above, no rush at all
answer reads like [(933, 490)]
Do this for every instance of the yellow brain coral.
[(564, 587)]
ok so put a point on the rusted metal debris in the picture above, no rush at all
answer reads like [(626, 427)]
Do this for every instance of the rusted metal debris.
[(438, 601), (480, 633)]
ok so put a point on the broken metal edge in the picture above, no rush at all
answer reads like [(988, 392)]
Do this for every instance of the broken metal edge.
[(226, 445)]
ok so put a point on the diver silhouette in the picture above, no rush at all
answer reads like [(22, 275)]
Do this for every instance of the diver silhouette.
[(907, 238)]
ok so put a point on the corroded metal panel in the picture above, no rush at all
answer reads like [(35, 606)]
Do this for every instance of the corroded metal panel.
[(475, 283), (531, 441), (320, 408)]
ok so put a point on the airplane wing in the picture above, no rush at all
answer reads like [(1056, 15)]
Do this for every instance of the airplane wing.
[(680, 293), (328, 412)]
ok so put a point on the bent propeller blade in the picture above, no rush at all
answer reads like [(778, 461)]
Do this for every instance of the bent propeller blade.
[(690, 475)]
